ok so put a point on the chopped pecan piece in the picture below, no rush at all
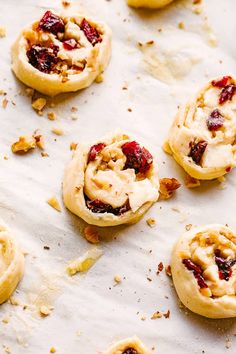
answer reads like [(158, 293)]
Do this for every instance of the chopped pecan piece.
[(24, 144), (168, 186)]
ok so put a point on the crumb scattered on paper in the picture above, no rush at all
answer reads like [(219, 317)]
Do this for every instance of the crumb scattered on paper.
[(53, 202), (85, 262)]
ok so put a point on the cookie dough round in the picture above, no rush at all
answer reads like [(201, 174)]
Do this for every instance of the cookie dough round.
[(131, 345), (113, 182), (203, 136), (11, 264), (62, 53), (152, 4), (204, 271)]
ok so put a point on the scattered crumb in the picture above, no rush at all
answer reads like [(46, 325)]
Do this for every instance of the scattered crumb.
[(85, 262), (160, 268), (73, 146), (167, 314), (117, 279), (52, 115), (65, 3), (181, 25), (44, 154), (74, 117), (53, 202), (168, 270), (91, 234), (3, 93), (99, 78), (13, 301), (53, 350), (143, 318), (39, 140), (6, 157), (4, 103), (3, 32), (151, 222), (156, 315), (5, 320), (228, 343), (57, 131), (39, 104), (168, 186), (44, 311), (129, 109), (74, 109), (24, 144), (188, 227), (191, 182)]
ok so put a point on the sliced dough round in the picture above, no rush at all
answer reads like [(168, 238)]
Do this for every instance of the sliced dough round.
[(203, 136), (61, 53), (204, 271), (131, 345), (112, 182), (152, 4), (11, 264)]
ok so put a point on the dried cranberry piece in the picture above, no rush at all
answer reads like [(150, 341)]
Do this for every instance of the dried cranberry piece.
[(90, 32), (197, 272), (224, 266), (70, 44), (130, 351), (137, 158), (42, 58), (96, 206), (215, 121), (227, 93), (94, 151), (51, 23), (197, 150), (222, 82)]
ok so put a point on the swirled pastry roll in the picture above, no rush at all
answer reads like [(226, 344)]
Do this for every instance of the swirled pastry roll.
[(204, 271), (152, 4), (128, 346), (61, 53), (11, 264), (203, 136), (112, 182)]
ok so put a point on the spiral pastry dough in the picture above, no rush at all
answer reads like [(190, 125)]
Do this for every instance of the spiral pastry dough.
[(152, 4), (131, 345), (203, 136), (11, 264), (61, 53), (112, 182), (204, 271)]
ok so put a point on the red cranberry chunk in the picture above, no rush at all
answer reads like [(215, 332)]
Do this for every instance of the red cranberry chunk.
[(90, 32), (227, 93), (130, 351), (51, 23), (96, 206), (197, 272), (224, 266), (70, 44), (215, 121), (94, 151), (197, 150), (42, 58), (222, 82), (137, 158)]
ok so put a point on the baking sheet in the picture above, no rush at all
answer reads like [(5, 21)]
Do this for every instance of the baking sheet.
[(90, 312)]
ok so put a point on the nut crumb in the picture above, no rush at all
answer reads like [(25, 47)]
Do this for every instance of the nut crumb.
[(57, 131), (168, 270), (53, 350), (44, 311), (73, 146), (39, 104), (65, 3), (44, 154), (188, 227), (99, 78), (167, 314), (160, 268), (151, 222), (91, 234), (74, 109), (181, 25), (29, 92), (24, 144), (117, 279), (53, 202), (39, 140), (191, 182), (3, 93), (4, 103), (156, 315), (3, 32), (168, 186), (52, 115)]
